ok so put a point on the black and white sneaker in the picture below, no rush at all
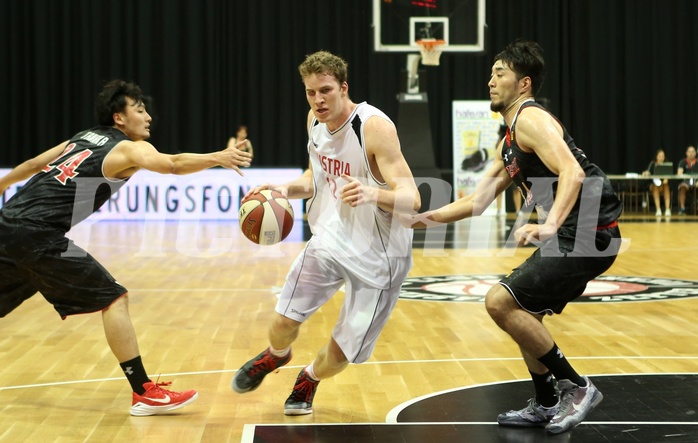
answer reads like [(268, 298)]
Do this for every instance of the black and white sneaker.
[(575, 404), (532, 416)]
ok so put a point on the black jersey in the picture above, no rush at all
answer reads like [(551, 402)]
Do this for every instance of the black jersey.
[(689, 168), (70, 188), (538, 184)]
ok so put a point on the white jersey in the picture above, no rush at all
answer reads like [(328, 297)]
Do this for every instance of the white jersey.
[(364, 238)]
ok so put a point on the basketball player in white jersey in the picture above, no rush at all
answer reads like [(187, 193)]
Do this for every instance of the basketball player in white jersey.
[(356, 179)]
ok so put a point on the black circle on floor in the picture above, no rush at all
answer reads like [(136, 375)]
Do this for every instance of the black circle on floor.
[(637, 407)]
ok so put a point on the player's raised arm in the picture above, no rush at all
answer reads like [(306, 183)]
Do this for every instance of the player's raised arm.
[(128, 157), (31, 166)]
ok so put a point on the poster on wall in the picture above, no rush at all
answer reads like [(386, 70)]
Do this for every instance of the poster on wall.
[(475, 137)]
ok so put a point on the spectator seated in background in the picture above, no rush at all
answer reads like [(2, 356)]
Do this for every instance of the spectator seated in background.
[(658, 186), (687, 166), (240, 135)]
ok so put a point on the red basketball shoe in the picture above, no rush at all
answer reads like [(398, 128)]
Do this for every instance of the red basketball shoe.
[(156, 400)]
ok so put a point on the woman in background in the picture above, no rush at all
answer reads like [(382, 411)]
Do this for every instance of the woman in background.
[(241, 135), (659, 185)]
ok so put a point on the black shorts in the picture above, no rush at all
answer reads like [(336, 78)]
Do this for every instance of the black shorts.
[(38, 260), (546, 282)]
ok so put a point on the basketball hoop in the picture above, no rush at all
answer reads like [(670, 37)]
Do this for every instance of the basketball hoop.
[(431, 50)]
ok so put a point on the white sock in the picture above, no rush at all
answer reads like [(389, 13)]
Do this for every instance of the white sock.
[(310, 370), (279, 353)]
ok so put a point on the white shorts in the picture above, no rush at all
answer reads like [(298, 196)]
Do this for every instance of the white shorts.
[(315, 277)]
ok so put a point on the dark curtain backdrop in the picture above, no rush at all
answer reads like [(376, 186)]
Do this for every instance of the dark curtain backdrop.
[(622, 75)]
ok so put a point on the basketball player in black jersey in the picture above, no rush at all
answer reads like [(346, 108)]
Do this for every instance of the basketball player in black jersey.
[(70, 182), (577, 234)]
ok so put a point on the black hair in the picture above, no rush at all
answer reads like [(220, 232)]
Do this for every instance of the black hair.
[(525, 58), (113, 99)]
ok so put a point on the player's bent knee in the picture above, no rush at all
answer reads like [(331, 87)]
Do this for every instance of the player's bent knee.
[(497, 302)]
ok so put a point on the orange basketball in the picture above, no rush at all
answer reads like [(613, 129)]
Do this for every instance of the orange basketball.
[(266, 218)]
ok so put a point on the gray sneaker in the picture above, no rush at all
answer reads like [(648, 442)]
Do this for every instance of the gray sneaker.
[(250, 375), (532, 416), (575, 404), (300, 402)]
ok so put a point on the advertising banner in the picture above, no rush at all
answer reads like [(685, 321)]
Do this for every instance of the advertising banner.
[(213, 194), (475, 137)]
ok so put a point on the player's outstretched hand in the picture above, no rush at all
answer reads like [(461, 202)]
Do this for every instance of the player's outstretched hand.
[(233, 157), (278, 188)]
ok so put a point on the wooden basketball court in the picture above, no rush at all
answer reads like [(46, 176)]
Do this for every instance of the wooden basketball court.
[(201, 296)]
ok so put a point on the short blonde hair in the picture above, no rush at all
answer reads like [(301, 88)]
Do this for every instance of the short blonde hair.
[(323, 62)]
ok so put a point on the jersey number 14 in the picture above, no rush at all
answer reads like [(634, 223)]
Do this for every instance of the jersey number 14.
[(68, 167)]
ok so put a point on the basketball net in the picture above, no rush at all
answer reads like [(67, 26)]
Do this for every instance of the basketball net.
[(431, 50)]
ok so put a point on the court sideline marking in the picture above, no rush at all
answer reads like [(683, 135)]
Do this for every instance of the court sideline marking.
[(448, 360)]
